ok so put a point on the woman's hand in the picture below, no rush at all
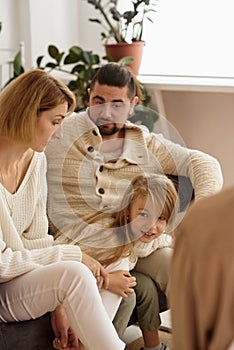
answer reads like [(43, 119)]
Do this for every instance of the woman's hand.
[(65, 337), (97, 270), (121, 282)]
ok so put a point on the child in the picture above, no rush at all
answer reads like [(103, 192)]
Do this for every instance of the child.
[(150, 202), (150, 207)]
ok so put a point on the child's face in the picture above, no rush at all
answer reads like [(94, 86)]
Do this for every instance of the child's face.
[(145, 223)]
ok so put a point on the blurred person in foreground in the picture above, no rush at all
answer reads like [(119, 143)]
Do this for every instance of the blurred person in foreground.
[(202, 276)]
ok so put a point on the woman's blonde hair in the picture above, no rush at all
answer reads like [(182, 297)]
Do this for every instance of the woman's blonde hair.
[(25, 98)]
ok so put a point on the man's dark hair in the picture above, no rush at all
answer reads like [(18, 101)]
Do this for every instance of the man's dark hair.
[(114, 74)]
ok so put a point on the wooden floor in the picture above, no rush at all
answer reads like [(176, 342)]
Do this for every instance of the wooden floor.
[(165, 338), (133, 335)]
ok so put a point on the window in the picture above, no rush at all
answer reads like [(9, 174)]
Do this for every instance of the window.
[(190, 38)]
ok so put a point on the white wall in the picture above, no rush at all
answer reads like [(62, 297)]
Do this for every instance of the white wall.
[(53, 22), (38, 24), (9, 36), (89, 33)]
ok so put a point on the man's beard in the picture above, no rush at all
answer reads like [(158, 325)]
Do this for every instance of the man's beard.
[(105, 130)]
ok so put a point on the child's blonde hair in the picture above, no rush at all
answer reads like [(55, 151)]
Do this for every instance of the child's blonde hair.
[(158, 188), (161, 191)]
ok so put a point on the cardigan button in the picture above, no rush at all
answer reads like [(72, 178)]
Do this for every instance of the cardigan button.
[(90, 149), (101, 168), (101, 190), (94, 132)]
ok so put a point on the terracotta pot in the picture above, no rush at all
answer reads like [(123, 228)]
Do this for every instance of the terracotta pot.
[(120, 50)]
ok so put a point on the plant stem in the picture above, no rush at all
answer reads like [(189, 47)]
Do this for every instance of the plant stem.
[(116, 34)]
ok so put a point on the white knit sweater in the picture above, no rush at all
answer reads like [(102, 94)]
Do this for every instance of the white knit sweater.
[(142, 249), (24, 240)]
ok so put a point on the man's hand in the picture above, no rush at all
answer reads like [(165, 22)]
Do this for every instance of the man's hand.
[(97, 269), (121, 282), (65, 337)]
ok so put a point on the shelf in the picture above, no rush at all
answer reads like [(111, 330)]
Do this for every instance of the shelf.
[(188, 83)]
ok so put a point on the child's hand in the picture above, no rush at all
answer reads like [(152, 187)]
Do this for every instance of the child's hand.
[(121, 282)]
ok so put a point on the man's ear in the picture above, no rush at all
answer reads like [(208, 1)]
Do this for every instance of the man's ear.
[(135, 100), (88, 91), (134, 103)]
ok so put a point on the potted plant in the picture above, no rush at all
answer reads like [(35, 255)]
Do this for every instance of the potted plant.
[(124, 30)]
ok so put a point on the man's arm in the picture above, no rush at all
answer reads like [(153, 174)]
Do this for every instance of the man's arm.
[(203, 170)]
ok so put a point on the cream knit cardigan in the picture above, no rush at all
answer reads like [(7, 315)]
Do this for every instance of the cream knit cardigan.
[(24, 240), (77, 171)]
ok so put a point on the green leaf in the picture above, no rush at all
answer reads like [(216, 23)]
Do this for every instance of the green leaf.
[(126, 60), (88, 57), (95, 20), (96, 59), (53, 51), (72, 85), (17, 64), (39, 59), (74, 56), (76, 50), (108, 58), (78, 68), (51, 65), (59, 57), (103, 36)]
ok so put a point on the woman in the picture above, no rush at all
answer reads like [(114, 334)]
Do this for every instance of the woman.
[(37, 276)]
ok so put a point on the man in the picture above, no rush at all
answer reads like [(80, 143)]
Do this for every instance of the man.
[(90, 168), (202, 276)]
